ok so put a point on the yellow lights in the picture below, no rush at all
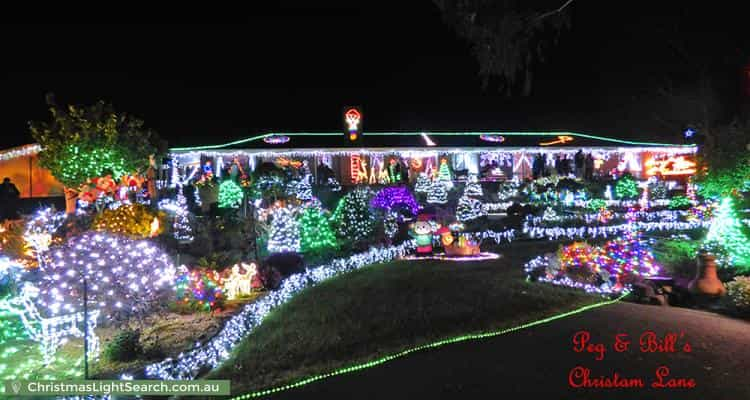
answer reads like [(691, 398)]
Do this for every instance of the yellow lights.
[(671, 166), (561, 139), (239, 283), (154, 227)]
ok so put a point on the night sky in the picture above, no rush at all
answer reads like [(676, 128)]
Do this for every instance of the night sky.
[(294, 68)]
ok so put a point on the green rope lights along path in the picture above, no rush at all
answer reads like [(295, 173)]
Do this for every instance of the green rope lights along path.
[(440, 343)]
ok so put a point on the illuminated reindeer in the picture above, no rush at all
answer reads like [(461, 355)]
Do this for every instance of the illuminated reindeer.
[(50, 332)]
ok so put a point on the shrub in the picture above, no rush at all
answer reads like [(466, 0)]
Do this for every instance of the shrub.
[(134, 220), (677, 256), (597, 204), (199, 289), (125, 346), (267, 277), (679, 202), (739, 291), (286, 263)]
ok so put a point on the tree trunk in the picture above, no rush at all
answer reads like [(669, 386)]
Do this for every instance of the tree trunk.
[(71, 196)]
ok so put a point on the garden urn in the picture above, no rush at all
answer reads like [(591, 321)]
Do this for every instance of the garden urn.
[(706, 281)]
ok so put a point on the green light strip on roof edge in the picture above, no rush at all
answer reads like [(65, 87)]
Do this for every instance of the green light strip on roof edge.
[(455, 339), (582, 135)]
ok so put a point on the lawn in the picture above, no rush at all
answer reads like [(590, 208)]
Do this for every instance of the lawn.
[(385, 308)]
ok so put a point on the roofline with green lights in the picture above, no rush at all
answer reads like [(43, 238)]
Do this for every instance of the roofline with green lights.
[(292, 134)]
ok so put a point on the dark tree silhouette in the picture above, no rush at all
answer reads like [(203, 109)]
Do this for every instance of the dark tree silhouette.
[(507, 36)]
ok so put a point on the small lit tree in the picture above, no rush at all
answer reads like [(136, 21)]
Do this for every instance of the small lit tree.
[(284, 235), (444, 174), (473, 187), (469, 209), (81, 143), (230, 194), (726, 234), (353, 219), (626, 187), (315, 231), (423, 183)]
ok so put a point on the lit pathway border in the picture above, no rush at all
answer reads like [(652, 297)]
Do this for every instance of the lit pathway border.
[(440, 343)]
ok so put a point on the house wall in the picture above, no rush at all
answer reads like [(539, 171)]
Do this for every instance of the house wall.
[(30, 179)]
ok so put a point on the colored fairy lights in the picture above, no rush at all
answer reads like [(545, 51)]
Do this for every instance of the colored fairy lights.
[(200, 288), (606, 269)]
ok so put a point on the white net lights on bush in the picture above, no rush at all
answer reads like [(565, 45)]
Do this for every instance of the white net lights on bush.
[(124, 276)]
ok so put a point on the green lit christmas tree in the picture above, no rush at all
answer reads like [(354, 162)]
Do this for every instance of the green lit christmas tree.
[(444, 174), (353, 220), (230, 194), (315, 232), (726, 234), (626, 187)]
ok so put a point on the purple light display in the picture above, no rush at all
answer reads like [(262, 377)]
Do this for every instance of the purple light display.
[(390, 198)]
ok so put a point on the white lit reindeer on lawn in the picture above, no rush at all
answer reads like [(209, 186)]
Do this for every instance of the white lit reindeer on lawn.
[(50, 332)]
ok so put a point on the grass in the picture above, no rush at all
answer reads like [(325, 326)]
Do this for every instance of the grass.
[(386, 308)]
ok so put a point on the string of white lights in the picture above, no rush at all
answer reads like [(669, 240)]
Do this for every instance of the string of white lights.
[(212, 353)]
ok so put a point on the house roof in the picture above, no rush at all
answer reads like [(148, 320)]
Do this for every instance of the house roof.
[(392, 140)]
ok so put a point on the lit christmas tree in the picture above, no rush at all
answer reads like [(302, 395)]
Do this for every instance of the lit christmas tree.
[(628, 257), (353, 220), (626, 188), (390, 224), (333, 184), (444, 174), (473, 187), (550, 215), (230, 194), (507, 191), (284, 235), (644, 202), (181, 228), (468, 209), (438, 193), (292, 188), (315, 232), (726, 234), (423, 183), (304, 189)]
